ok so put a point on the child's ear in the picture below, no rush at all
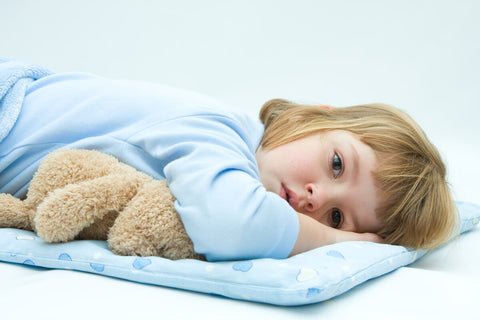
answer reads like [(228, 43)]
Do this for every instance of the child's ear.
[(325, 106)]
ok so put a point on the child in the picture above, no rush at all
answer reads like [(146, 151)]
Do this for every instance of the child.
[(308, 176), (413, 205)]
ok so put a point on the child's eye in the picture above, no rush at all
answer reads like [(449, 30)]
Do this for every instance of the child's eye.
[(336, 217), (337, 165)]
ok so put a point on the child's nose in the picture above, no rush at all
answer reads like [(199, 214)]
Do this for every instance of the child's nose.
[(315, 198)]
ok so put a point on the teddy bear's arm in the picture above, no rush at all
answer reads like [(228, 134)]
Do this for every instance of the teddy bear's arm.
[(68, 210)]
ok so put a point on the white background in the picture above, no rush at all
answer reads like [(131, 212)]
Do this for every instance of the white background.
[(422, 56)]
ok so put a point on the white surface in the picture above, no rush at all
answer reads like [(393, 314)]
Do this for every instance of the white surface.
[(420, 55)]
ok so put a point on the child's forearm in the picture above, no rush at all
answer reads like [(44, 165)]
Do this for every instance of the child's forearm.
[(312, 234)]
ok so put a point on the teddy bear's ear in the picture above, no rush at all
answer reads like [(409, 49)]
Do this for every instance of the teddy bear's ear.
[(13, 213)]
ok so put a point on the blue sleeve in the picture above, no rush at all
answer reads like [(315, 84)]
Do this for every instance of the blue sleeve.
[(212, 172)]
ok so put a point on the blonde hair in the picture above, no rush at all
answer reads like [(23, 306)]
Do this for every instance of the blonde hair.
[(417, 208)]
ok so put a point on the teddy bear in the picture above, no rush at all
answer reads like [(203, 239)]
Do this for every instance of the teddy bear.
[(85, 194)]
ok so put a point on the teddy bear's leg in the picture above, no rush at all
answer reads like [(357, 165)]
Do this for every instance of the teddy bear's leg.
[(63, 167), (13, 213), (67, 211), (150, 226)]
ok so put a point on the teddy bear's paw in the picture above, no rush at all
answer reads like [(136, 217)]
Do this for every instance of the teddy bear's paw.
[(122, 248), (136, 247), (184, 252), (13, 213), (49, 229), (62, 216), (128, 240), (150, 226)]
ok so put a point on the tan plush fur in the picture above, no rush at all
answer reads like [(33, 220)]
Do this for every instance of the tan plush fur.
[(83, 194)]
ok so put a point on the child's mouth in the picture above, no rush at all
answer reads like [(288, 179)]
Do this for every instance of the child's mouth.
[(289, 196), (283, 193)]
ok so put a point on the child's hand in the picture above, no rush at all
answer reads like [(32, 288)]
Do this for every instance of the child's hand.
[(372, 237), (354, 236), (313, 234)]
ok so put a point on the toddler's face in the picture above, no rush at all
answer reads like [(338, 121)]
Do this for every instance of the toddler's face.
[(326, 176)]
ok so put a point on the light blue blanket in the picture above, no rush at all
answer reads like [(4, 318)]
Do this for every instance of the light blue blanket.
[(15, 76)]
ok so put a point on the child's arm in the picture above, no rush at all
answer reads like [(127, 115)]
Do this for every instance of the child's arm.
[(312, 234)]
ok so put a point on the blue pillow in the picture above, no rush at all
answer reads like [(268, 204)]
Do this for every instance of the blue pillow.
[(310, 277)]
